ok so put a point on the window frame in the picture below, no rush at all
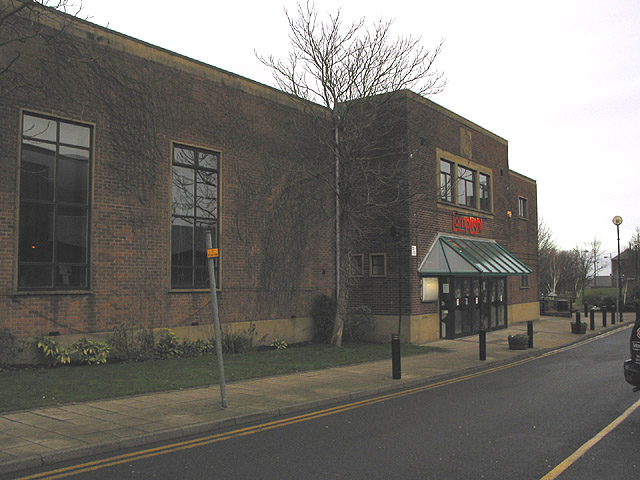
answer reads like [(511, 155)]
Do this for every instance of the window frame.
[(447, 187), (70, 149), (524, 281), (456, 163), (198, 267), (523, 207), (463, 184), (372, 265), (486, 190)]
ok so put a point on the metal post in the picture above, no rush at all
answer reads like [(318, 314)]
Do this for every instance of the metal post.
[(530, 333), (586, 310), (592, 319), (613, 316), (604, 316), (216, 319), (395, 356), (577, 321), (483, 344)]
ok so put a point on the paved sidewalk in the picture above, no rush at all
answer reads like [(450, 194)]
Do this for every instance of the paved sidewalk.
[(53, 434)]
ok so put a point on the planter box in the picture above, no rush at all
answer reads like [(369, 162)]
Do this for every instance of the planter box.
[(581, 329), (518, 342)]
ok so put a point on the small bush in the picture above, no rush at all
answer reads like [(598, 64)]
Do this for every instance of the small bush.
[(323, 313), (123, 345), (53, 352), (197, 348), (90, 351), (279, 344), (357, 324), (168, 346), (9, 347), (240, 342), (146, 344)]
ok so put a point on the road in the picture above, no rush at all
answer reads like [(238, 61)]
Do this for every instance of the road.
[(518, 422)]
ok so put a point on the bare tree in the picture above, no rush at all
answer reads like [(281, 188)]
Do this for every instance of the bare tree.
[(24, 20), (547, 259), (350, 70), (595, 252)]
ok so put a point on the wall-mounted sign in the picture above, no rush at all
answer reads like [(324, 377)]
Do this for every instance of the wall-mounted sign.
[(467, 224)]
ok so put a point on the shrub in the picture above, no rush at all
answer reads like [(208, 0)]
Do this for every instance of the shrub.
[(90, 351), (357, 324), (323, 313), (168, 346), (146, 344), (9, 347), (197, 348), (240, 342), (279, 344), (123, 344), (54, 352)]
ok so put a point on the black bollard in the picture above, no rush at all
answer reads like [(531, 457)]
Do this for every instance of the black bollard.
[(483, 344), (604, 317), (395, 356), (592, 320), (613, 316), (577, 321), (530, 333), (586, 310)]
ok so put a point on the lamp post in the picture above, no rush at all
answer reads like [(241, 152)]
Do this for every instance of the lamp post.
[(617, 221)]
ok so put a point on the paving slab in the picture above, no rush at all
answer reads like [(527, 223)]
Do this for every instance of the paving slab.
[(46, 435)]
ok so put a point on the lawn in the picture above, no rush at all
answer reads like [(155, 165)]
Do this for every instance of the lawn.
[(37, 387)]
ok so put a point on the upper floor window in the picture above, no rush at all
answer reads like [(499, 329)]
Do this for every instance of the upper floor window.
[(466, 187), (484, 184), (446, 181), (465, 184), (378, 265), (522, 207), (53, 231), (194, 210)]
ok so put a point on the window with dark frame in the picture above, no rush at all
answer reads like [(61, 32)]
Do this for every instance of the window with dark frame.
[(53, 230), (194, 210), (524, 281), (484, 186), (377, 265), (466, 187), (522, 207), (446, 181)]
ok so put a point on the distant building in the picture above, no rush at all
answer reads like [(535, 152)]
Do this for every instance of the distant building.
[(118, 157)]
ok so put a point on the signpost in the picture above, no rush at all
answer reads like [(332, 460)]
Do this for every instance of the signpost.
[(211, 254)]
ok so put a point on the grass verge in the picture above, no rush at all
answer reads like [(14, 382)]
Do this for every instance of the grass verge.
[(29, 388)]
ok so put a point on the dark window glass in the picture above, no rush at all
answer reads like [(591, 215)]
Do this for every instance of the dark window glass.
[(522, 207), (194, 210), (446, 181), (378, 265), (466, 187), (485, 192), (53, 240), (37, 174)]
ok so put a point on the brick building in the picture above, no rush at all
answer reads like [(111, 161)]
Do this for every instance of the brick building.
[(118, 156)]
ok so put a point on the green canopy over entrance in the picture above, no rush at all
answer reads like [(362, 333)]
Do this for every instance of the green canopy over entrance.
[(466, 256)]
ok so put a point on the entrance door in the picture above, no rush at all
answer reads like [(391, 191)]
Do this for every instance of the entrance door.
[(469, 303)]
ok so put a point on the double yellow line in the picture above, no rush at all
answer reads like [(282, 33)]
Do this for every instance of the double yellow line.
[(241, 432)]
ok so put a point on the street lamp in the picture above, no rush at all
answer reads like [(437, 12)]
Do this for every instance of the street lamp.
[(617, 221)]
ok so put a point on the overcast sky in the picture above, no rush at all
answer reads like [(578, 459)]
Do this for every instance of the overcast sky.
[(558, 79)]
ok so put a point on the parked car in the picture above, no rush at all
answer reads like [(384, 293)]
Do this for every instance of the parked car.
[(632, 366)]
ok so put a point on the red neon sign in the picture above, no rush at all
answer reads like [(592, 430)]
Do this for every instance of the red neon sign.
[(467, 224)]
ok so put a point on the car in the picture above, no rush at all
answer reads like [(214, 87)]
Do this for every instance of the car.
[(632, 366)]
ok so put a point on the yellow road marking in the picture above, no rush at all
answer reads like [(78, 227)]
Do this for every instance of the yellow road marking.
[(590, 444), (174, 447)]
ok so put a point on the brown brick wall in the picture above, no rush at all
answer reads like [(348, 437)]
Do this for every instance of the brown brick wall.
[(275, 245)]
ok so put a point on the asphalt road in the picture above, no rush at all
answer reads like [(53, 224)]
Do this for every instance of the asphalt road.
[(518, 422)]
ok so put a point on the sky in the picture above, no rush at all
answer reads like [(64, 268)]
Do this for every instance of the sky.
[(558, 79)]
